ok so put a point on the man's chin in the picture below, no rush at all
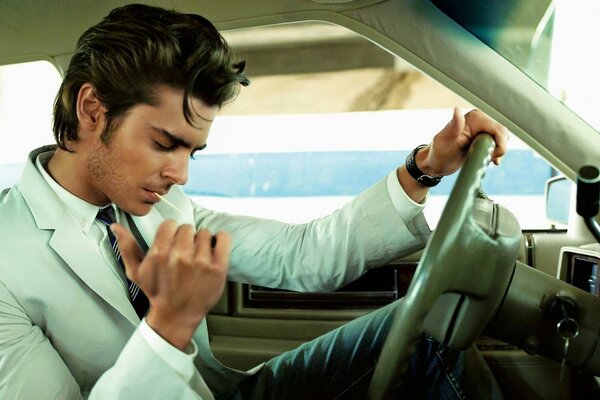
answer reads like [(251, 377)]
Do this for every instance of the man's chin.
[(139, 210)]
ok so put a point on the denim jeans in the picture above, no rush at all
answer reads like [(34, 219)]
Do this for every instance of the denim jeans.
[(339, 365)]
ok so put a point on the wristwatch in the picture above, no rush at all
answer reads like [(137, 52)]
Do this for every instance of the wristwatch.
[(415, 172)]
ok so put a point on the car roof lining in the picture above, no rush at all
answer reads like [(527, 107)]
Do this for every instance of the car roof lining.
[(415, 30)]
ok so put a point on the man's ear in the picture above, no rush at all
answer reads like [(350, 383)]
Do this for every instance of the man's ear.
[(90, 111)]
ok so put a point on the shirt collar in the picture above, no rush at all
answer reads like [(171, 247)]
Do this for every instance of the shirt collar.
[(81, 211)]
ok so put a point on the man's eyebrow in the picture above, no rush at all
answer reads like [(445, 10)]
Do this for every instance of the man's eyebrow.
[(177, 140)]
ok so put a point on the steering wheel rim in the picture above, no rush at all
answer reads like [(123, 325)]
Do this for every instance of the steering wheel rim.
[(433, 277)]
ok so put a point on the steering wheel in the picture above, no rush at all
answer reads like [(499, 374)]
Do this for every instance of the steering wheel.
[(471, 255)]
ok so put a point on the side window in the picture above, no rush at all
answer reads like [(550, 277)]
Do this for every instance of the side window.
[(327, 115), (26, 96)]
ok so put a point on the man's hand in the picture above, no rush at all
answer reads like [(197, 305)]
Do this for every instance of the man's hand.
[(447, 152), (182, 275)]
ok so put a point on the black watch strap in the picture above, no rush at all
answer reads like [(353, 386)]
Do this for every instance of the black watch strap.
[(416, 173)]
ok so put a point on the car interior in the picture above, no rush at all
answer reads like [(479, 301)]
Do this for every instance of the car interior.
[(341, 73)]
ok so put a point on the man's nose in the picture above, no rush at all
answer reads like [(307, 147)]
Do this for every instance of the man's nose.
[(177, 170)]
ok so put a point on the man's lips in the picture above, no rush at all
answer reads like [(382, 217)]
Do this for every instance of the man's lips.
[(156, 197), (157, 191), (151, 196)]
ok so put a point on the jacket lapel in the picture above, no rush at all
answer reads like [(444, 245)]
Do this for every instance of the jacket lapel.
[(69, 242), (148, 224), (87, 262)]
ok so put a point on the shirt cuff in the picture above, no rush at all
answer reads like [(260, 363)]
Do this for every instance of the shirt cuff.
[(182, 362), (407, 208)]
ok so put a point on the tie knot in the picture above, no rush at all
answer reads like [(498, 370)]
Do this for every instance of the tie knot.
[(106, 215)]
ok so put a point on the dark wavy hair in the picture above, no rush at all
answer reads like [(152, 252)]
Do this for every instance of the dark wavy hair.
[(137, 48)]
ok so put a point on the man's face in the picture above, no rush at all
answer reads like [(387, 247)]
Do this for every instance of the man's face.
[(148, 152)]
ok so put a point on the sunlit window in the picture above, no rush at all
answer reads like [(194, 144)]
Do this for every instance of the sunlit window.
[(328, 116), (27, 93), (575, 62)]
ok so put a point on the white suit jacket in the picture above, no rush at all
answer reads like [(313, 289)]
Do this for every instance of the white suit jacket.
[(68, 331)]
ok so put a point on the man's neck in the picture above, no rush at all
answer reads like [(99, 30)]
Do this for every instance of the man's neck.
[(68, 170)]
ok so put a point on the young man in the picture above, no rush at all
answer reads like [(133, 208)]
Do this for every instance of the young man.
[(137, 100)]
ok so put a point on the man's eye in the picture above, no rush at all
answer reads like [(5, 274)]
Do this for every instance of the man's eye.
[(162, 147)]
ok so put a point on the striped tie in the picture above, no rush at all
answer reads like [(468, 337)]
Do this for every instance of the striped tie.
[(138, 299)]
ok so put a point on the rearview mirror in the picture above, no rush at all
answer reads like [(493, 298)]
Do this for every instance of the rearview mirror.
[(558, 199)]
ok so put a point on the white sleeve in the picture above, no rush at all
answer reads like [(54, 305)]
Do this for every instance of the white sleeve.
[(407, 208), (323, 254), (182, 362), (141, 372)]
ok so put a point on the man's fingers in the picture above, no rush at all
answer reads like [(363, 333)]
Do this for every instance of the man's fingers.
[(457, 124), (183, 245), (460, 130), (131, 254), (478, 122), (222, 248), (163, 239), (202, 242), (213, 248), (501, 138)]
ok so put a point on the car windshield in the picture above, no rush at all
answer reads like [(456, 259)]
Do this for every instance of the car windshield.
[(554, 42)]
